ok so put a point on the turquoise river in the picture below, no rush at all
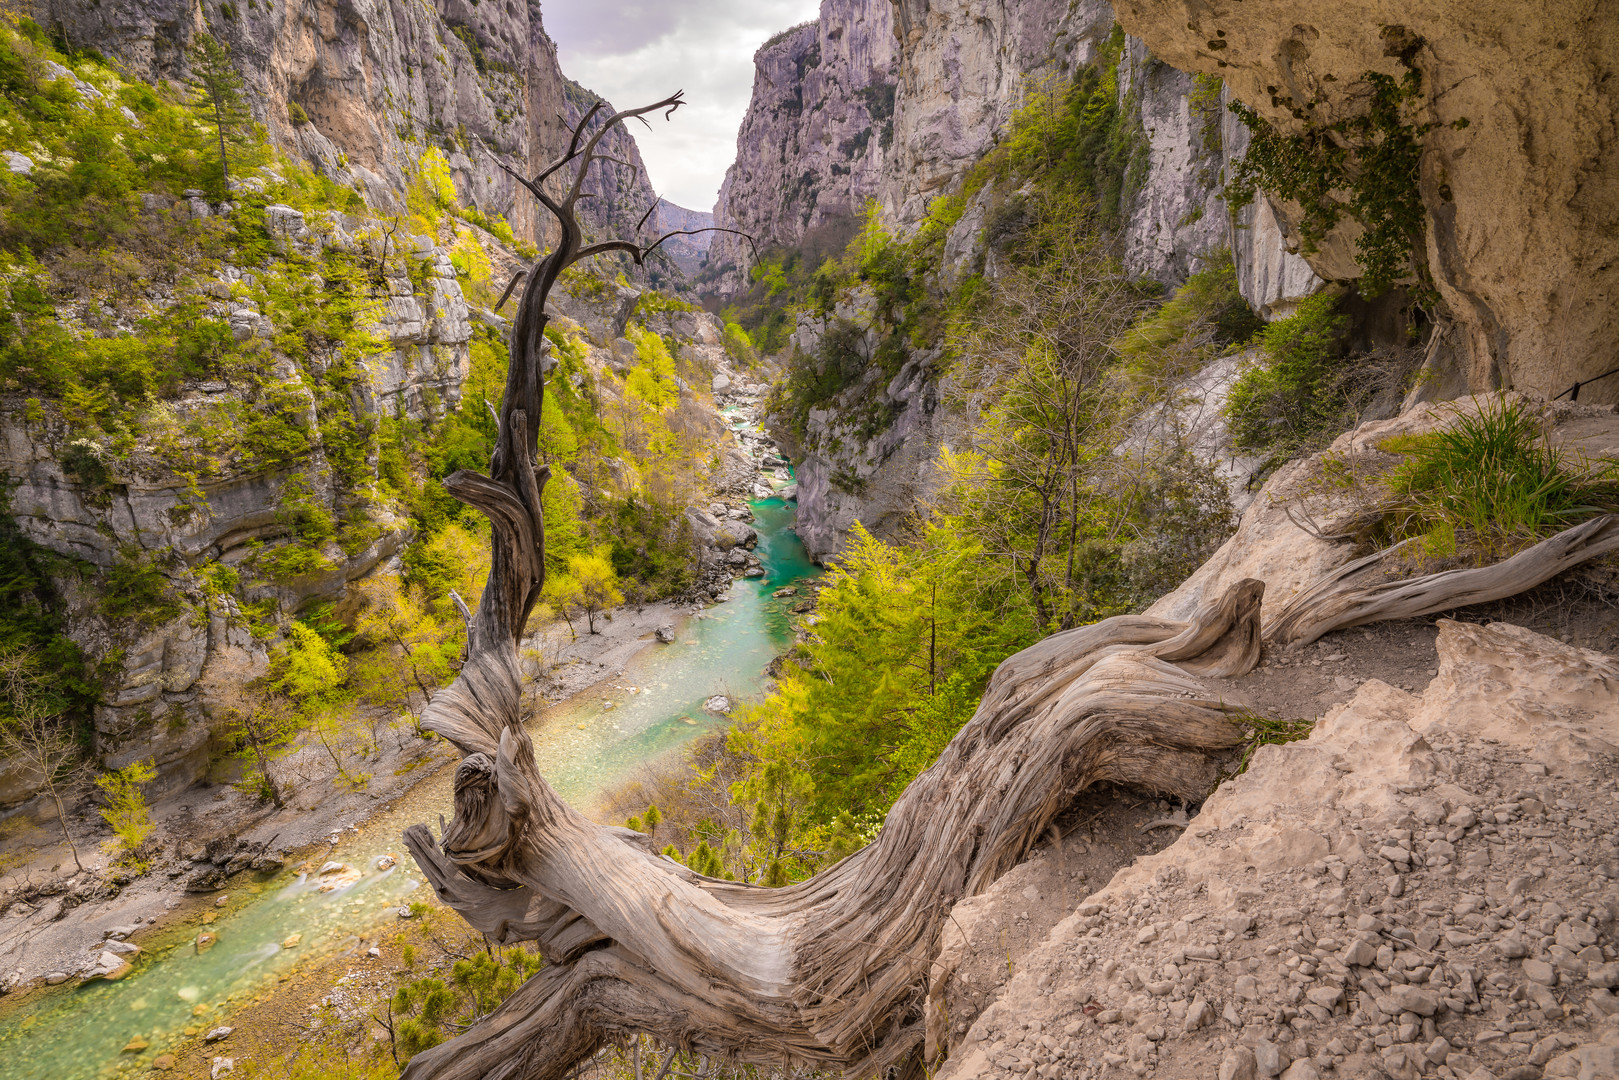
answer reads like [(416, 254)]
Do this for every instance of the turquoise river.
[(584, 746)]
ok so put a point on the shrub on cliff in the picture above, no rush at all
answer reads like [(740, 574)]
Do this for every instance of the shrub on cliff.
[(1285, 401)]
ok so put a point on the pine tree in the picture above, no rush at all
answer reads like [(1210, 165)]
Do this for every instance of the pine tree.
[(219, 101)]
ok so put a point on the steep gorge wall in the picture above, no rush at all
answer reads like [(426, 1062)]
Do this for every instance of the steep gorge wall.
[(380, 82), (814, 144), (964, 68), (1519, 174), (149, 507)]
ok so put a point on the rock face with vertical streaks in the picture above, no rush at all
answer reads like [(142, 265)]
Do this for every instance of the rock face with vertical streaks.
[(381, 81), (1519, 177), (814, 143)]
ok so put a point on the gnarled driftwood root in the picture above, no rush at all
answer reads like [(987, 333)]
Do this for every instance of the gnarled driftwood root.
[(829, 971), (1346, 598)]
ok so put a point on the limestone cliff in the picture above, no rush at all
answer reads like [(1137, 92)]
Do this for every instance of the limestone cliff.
[(381, 81), (964, 69), (1518, 171), (148, 504), (814, 143), (687, 252)]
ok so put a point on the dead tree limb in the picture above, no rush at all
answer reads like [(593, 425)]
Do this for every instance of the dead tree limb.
[(1352, 595), (827, 973)]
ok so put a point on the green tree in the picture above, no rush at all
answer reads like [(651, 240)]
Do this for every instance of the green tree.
[(218, 100), (126, 810), (595, 583)]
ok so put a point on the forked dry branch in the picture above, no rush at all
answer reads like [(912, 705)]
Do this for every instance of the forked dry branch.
[(829, 971), (1357, 593)]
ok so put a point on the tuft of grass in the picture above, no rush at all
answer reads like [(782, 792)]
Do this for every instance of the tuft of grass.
[(1263, 731), (1491, 483)]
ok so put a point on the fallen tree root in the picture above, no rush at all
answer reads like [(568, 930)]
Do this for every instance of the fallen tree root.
[(1342, 598), (830, 971)]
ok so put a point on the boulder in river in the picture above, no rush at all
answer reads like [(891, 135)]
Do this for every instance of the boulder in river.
[(734, 534), (292, 941), (109, 966), (135, 1045), (785, 590), (722, 384), (719, 705), (336, 875), (205, 941), (665, 634)]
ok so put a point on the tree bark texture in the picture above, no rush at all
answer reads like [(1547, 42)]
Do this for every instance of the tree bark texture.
[(1354, 595), (830, 971)]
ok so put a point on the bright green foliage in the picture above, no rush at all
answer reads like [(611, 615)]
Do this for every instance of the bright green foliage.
[(427, 1011), (706, 861), (652, 379), (591, 584), (126, 810), (1080, 138), (1490, 483), (1375, 157), (308, 668), (903, 647), (1206, 315), (218, 102), (738, 346), (1284, 403), (431, 193), (136, 589)]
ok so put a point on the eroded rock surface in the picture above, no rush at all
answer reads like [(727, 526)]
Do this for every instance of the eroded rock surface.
[(1425, 886), (1517, 172)]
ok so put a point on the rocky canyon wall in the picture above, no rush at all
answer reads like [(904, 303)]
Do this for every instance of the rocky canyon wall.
[(814, 144), (963, 69), (1519, 172), (380, 82)]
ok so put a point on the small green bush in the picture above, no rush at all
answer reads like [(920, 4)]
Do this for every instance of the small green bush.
[(1491, 483), (1205, 315), (137, 590), (427, 1011), (126, 811), (1285, 403)]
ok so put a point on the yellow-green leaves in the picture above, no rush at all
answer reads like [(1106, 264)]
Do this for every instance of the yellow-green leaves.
[(126, 810)]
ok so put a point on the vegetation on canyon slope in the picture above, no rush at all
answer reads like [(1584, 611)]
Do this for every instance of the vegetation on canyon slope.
[(148, 336), (1069, 499)]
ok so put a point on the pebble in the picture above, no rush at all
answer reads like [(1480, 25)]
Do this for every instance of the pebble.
[(218, 1033)]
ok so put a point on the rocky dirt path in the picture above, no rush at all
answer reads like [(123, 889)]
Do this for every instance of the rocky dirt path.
[(1426, 886)]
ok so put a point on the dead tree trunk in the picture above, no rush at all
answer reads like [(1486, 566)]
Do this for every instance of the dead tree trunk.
[(1353, 595), (827, 972)]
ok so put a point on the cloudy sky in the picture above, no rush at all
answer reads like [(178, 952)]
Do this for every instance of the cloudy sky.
[(635, 51)]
